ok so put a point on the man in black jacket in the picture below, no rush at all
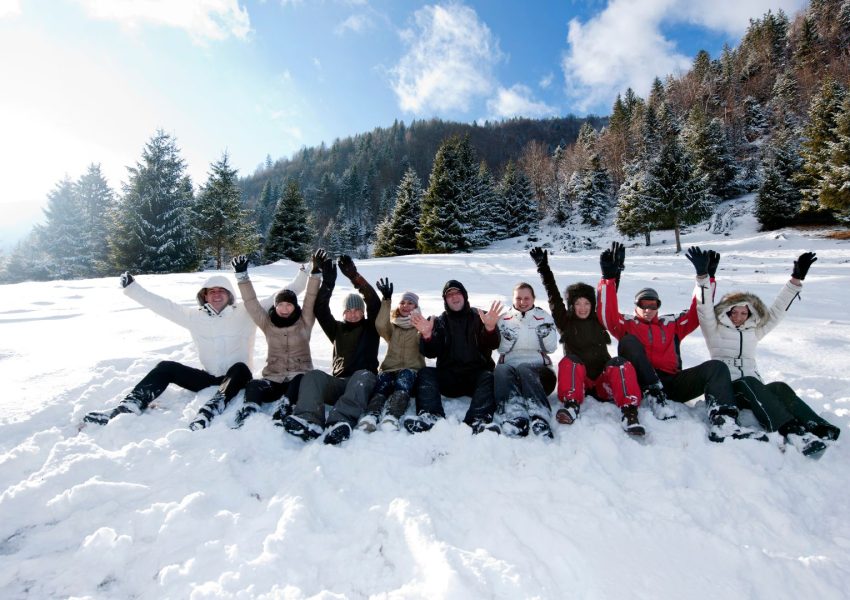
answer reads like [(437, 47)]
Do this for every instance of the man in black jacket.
[(462, 340), (355, 361)]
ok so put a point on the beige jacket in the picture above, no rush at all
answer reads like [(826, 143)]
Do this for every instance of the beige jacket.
[(402, 344)]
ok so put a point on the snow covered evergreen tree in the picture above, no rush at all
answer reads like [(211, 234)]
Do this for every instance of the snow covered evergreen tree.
[(223, 227), (153, 232), (835, 181), (518, 203), (636, 210), (593, 193), (818, 133), (398, 237), (493, 224), (778, 199), (290, 235), (264, 209), (63, 236), (97, 203), (705, 141)]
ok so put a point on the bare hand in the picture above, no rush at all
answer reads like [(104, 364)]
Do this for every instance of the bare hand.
[(492, 316), (424, 326)]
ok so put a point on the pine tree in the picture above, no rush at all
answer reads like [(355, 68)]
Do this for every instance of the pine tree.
[(291, 234), (63, 236), (493, 225), (264, 209), (223, 227), (518, 203), (153, 232), (835, 182), (778, 199), (636, 209), (818, 133), (399, 237), (97, 203), (593, 193), (705, 141)]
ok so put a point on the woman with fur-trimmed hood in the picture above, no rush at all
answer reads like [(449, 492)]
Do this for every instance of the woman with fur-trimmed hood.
[(732, 330)]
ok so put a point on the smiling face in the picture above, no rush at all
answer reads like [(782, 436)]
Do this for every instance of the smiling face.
[(646, 309), (284, 309), (454, 299), (582, 307), (352, 315), (739, 315), (405, 307), (523, 298), (217, 297)]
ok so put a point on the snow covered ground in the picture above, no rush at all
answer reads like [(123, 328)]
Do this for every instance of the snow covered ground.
[(145, 508)]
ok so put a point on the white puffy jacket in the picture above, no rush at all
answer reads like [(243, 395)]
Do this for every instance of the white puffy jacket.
[(736, 346), (527, 338), (221, 339)]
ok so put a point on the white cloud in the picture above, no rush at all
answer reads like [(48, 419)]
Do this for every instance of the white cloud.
[(203, 20), (546, 81), (449, 62), (354, 23), (10, 8), (623, 46), (517, 101)]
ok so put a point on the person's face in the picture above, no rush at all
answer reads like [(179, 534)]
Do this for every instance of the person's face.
[(217, 297), (352, 315), (454, 299), (284, 309), (405, 307), (647, 309), (738, 315), (581, 307), (523, 299)]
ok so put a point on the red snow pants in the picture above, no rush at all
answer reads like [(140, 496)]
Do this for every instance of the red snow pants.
[(618, 382)]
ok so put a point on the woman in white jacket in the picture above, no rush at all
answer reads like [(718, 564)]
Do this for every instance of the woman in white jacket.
[(524, 376), (732, 330)]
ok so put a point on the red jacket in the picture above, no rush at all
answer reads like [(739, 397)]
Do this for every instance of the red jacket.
[(660, 336)]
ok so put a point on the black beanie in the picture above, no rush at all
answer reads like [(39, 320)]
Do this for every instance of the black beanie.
[(581, 290), (286, 296)]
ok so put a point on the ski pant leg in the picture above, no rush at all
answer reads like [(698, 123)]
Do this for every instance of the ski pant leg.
[(262, 391), (235, 380), (483, 404), (571, 379), (532, 389), (769, 410), (352, 403), (802, 412), (165, 373), (710, 378), (506, 386), (384, 386), (619, 383), (317, 389), (428, 398), (398, 401), (631, 348)]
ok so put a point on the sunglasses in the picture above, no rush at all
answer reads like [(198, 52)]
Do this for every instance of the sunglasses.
[(648, 304)]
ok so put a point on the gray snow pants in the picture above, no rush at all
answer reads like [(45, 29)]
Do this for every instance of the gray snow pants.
[(348, 395)]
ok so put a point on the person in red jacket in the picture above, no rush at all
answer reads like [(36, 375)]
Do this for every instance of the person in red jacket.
[(651, 343)]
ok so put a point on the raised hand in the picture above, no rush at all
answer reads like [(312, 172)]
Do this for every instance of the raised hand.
[(424, 326), (608, 264), (385, 287), (126, 279), (492, 316), (539, 256), (240, 263), (618, 250), (346, 265), (713, 261), (319, 256), (699, 259), (328, 271), (802, 265)]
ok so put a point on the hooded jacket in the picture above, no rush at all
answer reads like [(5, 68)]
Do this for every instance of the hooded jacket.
[(402, 343), (221, 339), (736, 346), (527, 337)]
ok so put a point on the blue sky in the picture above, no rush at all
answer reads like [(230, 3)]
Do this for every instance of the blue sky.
[(91, 80)]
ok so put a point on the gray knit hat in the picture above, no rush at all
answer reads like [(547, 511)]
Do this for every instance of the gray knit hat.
[(410, 297), (647, 294), (354, 302)]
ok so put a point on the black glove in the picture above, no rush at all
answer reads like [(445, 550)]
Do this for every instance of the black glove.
[(802, 264), (328, 271), (319, 256), (539, 256), (699, 259), (127, 279), (385, 287), (608, 264), (619, 252), (240, 263), (713, 261), (346, 265)]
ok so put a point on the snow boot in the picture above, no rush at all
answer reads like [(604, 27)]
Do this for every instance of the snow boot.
[(283, 410), (338, 433), (420, 423), (301, 428), (661, 407), (247, 409), (630, 422), (389, 423), (397, 403), (368, 423), (516, 427), (723, 424), (568, 413), (540, 427), (807, 444), (214, 406), (480, 426)]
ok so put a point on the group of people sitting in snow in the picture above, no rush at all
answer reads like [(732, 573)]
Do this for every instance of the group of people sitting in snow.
[(508, 396)]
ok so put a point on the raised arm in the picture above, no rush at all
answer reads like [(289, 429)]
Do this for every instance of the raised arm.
[(382, 323), (257, 313), (180, 315), (556, 301), (322, 308)]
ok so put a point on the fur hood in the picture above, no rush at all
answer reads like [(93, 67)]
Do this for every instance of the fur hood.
[(759, 314), (581, 290), (216, 281)]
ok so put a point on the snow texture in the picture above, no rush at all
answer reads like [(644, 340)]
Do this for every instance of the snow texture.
[(145, 508)]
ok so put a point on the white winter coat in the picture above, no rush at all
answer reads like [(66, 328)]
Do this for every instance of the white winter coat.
[(527, 338), (221, 339), (736, 346)]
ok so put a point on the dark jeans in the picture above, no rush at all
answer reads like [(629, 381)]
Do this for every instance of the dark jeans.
[(402, 380), (521, 390), (710, 378), (434, 383), (194, 380), (778, 408), (260, 391)]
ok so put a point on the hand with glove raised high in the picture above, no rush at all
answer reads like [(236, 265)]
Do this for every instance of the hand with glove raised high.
[(619, 252), (699, 259), (713, 261), (802, 265), (239, 263), (347, 266), (608, 264), (319, 256), (385, 287), (328, 271), (539, 256)]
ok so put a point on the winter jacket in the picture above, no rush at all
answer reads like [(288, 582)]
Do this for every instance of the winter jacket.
[(584, 338), (402, 342), (736, 346), (460, 343), (355, 344), (528, 337), (660, 337), (221, 339), (289, 347)]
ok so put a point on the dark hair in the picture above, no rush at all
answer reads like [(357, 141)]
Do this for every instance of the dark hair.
[(524, 285)]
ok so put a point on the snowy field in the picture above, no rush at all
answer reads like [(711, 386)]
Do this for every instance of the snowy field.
[(145, 508)]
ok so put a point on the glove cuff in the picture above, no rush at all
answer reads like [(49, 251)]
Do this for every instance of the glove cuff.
[(242, 276)]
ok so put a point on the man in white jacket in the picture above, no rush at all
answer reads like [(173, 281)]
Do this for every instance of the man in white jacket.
[(223, 334)]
